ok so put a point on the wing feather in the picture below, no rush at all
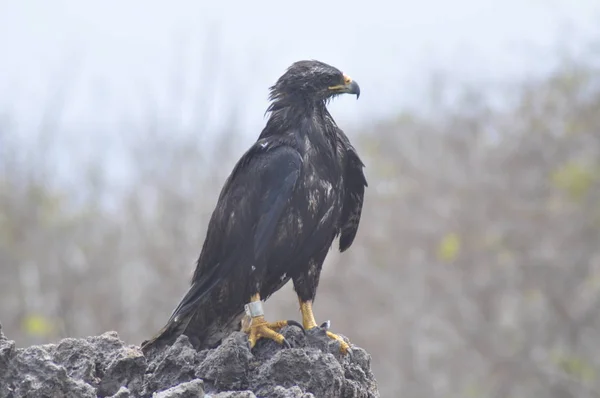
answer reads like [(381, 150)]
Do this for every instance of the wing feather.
[(354, 184), (251, 203)]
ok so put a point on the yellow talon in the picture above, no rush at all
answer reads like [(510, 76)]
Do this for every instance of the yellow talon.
[(344, 347), (259, 328), (308, 321)]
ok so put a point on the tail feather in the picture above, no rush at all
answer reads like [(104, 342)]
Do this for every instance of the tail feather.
[(168, 334), (180, 318), (202, 316)]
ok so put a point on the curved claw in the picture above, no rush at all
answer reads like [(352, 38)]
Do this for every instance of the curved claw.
[(344, 347), (326, 325), (259, 328), (294, 323), (350, 354)]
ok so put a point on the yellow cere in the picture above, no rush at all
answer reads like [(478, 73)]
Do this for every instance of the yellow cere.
[(347, 80)]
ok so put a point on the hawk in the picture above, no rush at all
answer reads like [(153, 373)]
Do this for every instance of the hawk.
[(299, 187)]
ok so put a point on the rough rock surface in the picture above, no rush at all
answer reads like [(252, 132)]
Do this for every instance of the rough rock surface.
[(104, 366)]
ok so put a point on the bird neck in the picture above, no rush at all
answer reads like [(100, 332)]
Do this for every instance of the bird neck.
[(291, 115), (295, 102), (295, 108), (306, 121)]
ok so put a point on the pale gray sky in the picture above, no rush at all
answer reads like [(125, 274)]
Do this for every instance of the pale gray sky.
[(120, 55)]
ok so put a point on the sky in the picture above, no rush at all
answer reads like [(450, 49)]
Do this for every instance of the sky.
[(93, 64)]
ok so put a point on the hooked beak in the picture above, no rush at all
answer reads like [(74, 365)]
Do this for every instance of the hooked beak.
[(349, 87)]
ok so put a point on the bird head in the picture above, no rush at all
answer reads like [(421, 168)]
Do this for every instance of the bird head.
[(312, 81)]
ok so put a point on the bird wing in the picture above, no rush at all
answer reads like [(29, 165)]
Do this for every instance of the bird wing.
[(251, 204), (354, 191)]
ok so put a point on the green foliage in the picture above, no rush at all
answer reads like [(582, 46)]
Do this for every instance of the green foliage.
[(49, 205), (474, 390), (575, 179), (575, 366), (37, 325), (449, 247)]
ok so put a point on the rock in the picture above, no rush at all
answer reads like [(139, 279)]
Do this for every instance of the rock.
[(294, 392), (190, 389), (78, 357), (126, 367), (104, 366), (122, 393), (310, 369), (226, 367), (35, 374), (7, 353), (233, 394), (277, 392), (172, 366)]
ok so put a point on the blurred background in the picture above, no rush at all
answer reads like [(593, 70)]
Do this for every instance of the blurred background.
[(476, 269)]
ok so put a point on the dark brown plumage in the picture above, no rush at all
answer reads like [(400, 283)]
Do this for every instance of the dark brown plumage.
[(291, 194)]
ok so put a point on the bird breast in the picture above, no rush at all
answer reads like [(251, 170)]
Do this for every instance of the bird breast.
[(319, 192), (321, 181)]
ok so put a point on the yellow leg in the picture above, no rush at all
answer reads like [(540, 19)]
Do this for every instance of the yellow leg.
[(308, 321), (260, 328), (308, 318)]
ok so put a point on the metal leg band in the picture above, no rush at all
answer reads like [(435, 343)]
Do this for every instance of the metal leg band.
[(254, 309)]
